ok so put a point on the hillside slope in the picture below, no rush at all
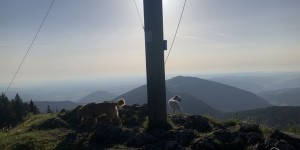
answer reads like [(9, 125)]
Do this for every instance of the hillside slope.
[(98, 96), (219, 96), (136, 96), (42, 131), (55, 105), (189, 104), (64, 131), (275, 116), (192, 105), (283, 97)]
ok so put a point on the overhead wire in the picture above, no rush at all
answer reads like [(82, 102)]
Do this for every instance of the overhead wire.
[(178, 25), (138, 12), (29, 48), (175, 35)]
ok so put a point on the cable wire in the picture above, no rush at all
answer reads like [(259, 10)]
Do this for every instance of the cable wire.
[(176, 31), (38, 31), (138, 12)]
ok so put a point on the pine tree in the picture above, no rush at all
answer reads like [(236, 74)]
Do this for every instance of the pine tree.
[(18, 108), (5, 111), (49, 109), (12, 112), (33, 108)]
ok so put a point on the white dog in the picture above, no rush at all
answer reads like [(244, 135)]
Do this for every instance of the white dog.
[(174, 104)]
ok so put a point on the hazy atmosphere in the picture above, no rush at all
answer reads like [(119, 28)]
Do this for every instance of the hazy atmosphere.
[(84, 40), (73, 74)]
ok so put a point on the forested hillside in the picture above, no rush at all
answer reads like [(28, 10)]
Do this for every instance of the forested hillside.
[(13, 111)]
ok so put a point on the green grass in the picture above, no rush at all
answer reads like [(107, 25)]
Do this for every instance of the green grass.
[(230, 123), (265, 130), (295, 129), (169, 125), (22, 137)]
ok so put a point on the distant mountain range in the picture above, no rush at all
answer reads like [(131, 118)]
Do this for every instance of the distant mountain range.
[(55, 105), (283, 97), (98, 97), (209, 93), (211, 98), (259, 82)]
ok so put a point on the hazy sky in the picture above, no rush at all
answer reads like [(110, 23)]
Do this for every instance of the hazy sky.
[(84, 39)]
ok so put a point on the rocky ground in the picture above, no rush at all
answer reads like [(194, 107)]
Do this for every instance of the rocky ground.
[(186, 132)]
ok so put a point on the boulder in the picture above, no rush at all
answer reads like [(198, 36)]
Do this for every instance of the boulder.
[(141, 140), (173, 145), (203, 143), (248, 127), (292, 140), (198, 123), (106, 134), (222, 135), (185, 137)]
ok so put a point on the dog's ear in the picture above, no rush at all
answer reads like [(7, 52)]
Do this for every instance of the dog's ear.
[(178, 98)]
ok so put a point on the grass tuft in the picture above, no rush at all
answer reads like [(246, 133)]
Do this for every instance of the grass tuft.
[(265, 130), (21, 137), (295, 129)]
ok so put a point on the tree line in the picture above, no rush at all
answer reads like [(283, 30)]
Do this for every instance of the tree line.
[(13, 111)]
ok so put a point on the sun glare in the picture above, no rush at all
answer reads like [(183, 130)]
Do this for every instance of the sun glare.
[(166, 2)]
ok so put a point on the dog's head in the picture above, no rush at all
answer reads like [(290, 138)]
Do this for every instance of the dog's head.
[(177, 98)]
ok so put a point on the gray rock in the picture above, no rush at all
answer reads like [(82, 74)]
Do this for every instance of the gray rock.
[(223, 135), (246, 127), (141, 140), (292, 140), (184, 137), (198, 123), (284, 145), (173, 145), (254, 138), (203, 143)]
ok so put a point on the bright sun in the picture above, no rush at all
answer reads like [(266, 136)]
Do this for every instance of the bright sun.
[(166, 1)]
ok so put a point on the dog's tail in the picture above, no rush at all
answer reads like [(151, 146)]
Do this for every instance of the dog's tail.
[(121, 102)]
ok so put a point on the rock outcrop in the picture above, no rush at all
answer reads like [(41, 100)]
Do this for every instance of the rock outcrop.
[(187, 132)]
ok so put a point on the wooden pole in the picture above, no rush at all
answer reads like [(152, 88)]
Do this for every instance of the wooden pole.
[(154, 43)]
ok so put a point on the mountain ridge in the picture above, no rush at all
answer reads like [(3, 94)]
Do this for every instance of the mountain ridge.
[(220, 96), (55, 105), (97, 96), (209, 92)]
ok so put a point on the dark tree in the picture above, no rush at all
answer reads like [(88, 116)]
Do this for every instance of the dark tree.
[(12, 112), (49, 109), (33, 108), (5, 111), (19, 108)]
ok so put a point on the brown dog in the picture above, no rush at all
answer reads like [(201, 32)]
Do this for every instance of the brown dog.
[(93, 110)]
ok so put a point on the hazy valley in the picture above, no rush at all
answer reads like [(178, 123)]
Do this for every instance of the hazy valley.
[(229, 110), (220, 92)]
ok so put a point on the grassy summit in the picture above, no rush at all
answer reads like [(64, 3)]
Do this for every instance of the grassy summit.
[(64, 131), (36, 132)]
